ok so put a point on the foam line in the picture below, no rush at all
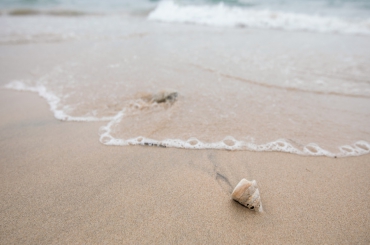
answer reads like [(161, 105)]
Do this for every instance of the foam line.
[(53, 101), (105, 132), (280, 145)]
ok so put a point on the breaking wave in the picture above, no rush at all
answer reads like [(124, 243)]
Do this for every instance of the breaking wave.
[(223, 15)]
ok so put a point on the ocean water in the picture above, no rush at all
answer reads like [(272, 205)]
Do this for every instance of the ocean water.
[(291, 76)]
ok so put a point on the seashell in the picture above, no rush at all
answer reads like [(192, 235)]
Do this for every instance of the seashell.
[(247, 194), (164, 96)]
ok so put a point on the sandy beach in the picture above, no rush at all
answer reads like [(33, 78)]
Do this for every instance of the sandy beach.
[(272, 91), (59, 185)]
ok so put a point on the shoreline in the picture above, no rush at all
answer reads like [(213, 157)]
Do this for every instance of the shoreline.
[(59, 184), (358, 148)]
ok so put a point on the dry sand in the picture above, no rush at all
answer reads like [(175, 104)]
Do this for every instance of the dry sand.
[(59, 185)]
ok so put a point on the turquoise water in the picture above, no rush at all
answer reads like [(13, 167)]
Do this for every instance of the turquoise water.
[(342, 8), (81, 5)]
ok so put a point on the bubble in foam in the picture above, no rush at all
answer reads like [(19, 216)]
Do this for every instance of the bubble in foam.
[(193, 141), (362, 146), (106, 139), (229, 141), (346, 148), (315, 150)]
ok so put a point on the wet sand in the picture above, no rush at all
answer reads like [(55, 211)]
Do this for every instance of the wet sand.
[(59, 185)]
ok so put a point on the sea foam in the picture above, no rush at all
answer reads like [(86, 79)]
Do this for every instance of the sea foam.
[(53, 101), (230, 143), (223, 15)]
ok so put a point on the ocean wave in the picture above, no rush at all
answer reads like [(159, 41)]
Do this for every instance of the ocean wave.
[(224, 16)]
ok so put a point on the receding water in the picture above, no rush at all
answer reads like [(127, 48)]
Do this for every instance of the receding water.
[(260, 76)]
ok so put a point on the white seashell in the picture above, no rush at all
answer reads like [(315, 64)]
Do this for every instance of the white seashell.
[(247, 194)]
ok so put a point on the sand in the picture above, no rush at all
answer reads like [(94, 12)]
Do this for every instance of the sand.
[(59, 185)]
